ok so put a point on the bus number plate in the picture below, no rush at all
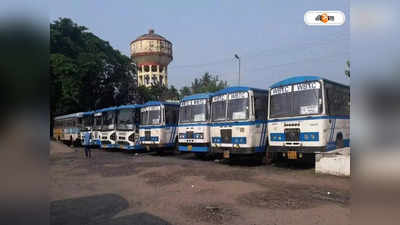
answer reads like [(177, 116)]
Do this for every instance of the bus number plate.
[(292, 155), (226, 154), (189, 147)]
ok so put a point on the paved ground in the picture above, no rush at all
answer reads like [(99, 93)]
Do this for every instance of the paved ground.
[(120, 188)]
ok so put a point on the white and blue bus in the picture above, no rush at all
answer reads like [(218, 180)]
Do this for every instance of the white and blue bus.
[(108, 128), (87, 126), (158, 125), (308, 114), (128, 119), (194, 124), (239, 122), (67, 128), (97, 124)]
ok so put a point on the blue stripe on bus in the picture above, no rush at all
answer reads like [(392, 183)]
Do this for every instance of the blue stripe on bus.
[(239, 123), (152, 138), (184, 148), (155, 126), (194, 125), (311, 136), (310, 118), (332, 145), (262, 135)]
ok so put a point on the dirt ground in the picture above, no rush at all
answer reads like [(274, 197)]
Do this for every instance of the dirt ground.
[(121, 188)]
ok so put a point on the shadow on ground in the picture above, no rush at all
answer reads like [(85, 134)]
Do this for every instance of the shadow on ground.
[(98, 209)]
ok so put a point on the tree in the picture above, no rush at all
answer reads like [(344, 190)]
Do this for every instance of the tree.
[(86, 72), (206, 83)]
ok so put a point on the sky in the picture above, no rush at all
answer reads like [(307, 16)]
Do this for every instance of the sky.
[(270, 37)]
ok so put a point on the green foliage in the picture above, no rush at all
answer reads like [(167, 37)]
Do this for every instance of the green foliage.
[(207, 83), (86, 72)]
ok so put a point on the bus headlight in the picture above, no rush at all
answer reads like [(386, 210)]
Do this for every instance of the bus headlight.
[(181, 135), (199, 136)]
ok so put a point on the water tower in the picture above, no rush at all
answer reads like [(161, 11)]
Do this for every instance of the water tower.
[(152, 54)]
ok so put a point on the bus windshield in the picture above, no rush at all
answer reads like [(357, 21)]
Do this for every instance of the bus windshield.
[(296, 100), (87, 122), (193, 111), (238, 106), (97, 123), (150, 115), (218, 107), (125, 119), (108, 120)]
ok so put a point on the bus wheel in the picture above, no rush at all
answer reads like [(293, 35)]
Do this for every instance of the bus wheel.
[(339, 141), (261, 158), (200, 155), (70, 141)]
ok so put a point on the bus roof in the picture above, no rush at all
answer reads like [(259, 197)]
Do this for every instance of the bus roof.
[(197, 96), (108, 109), (129, 106), (72, 115), (155, 103), (301, 79), (88, 113), (237, 89)]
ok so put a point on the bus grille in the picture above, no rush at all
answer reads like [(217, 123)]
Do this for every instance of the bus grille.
[(147, 135), (292, 134), (226, 135), (189, 134), (123, 143)]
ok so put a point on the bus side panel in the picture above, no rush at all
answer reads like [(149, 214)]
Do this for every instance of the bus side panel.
[(339, 134)]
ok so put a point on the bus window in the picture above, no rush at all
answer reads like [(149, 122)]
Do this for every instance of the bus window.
[(260, 106), (171, 115), (338, 100), (238, 106)]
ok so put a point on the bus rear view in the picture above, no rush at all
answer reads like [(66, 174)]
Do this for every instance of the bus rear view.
[(308, 114)]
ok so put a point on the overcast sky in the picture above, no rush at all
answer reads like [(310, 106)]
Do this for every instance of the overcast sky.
[(269, 36)]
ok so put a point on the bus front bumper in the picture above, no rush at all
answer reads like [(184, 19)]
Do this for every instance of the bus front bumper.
[(238, 151), (193, 148), (300, 149)]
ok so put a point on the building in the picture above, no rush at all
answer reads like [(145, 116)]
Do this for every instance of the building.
[(152, 53)]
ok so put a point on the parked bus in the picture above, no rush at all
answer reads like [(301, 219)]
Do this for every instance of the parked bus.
[(158, 123), (87, 126), (128, 119), (67, 128), (239, 122), (97, 125), (194, 124), (308, 114), (108, 128)]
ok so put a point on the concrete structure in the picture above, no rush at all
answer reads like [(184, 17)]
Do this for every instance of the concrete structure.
[(152, 54), (336, 162)]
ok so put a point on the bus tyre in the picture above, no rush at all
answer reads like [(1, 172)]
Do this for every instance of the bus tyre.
[(339, 141), (200, 155), (263, 159), (70, 142)]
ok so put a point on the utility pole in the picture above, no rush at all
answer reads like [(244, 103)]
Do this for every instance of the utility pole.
[(238, 58)]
